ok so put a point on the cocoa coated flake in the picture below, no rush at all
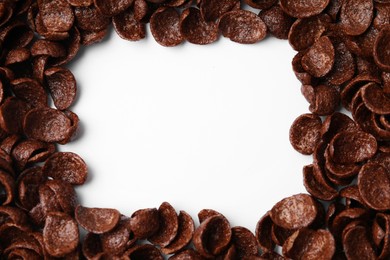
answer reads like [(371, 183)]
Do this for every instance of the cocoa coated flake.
[(357, 244), (325, 100), (30, 91), (277, 21), (90, 19), (263, 233), (7, 188), (305, 133), (375, 99), (195, 29), (303, 8), (47, 125), (97, 220), (212, 10), (60, 234), (165, 27), (213, 236), (356, 16), (297, 211), (127, 27), (145, 223), (112, 7), (319, 59), (12, 113), (184, 234), (316, 184), (66, 166), (168, 227), (56, 15), (310, 244), (62, 86), (188, 254), (382, 49), (144, 252), (260, 4), (244, 242), (347, 147), (374, 186), (242, 26)]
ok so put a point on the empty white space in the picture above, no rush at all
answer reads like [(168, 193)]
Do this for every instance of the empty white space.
[(197, 126)]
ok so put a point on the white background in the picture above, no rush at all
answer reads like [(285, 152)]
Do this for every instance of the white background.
[(197, 126)]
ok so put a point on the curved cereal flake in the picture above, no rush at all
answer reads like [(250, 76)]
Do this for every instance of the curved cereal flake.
[(140, 9), (344, 66), (164, 25), (316, 184), (74, 127), (381, 233), (305, 133), (184, 234), (305, 78), (30, 91), (30, 151), (92, 37), (335, 123), (90, 19), (127, 27), (97, 220), (62, 86), (112, 7), (168, 228), (60, 234), (64, 195), (357, 244), (145, 223), (352, 197), (310, 244), (260, 4), (263, 233), (17, 56), (7, 188), (363, 44), (212, 10), (347, 147), (356, 16), (117, 240), (66, 166), (319, 59), (382, 49), (339, 170), (72, 43), (375, 99), (305, 32), (297, 211), (57, 15), (16, 34), (353, 87), (278, 22), (279, 235), (374, 186), (244, 242), (382, 17), (47, 125), (325, 101), (188, 254), (12, 113), (242, 26), (39, 64), (195, 29), (303, 8), (49, 48), (207, 213), (213, 236), (27, 187), (144, 252)]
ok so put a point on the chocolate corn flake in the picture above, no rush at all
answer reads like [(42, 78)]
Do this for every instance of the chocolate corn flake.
[(145, 223), (297, 211), (213, 10), (382, 49), (111, 7), (47, 125), (62, 86), (277, 21), (56, 15), (195, 29), (356, 16), (303, 8), (242, 26), (305, 133), (97, 220), (127, 27), (60, 234), (164, 25), (168, 226)]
